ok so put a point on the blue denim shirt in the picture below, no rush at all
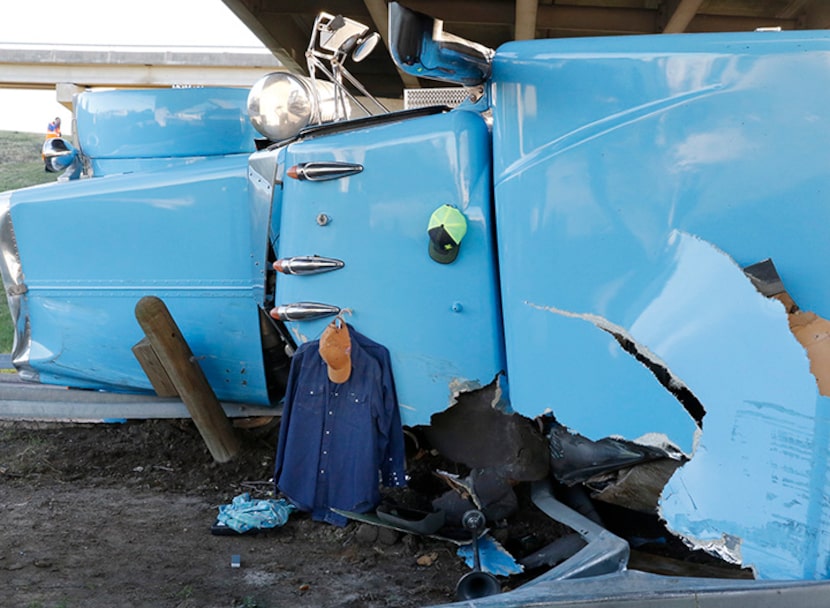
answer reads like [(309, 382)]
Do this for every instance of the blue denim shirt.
[(338, 442)]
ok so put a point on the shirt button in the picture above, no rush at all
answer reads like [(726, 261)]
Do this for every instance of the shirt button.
[(328, 432), (331, 413)]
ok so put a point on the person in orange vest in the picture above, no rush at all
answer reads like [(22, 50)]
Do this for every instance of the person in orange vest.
[(54, 128), (52, 131)]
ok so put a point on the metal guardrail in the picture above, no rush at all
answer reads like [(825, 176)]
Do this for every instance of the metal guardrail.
[(21, 400)]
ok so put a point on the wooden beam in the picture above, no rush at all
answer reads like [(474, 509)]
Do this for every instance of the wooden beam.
[(347, 8), (817, 16), (597, 21), (251, 18), (152, 366), (526, 11), (793, 10), (187, 377), (723, 23), (288, 36), (682, 16), (485, 11), (549, 16)]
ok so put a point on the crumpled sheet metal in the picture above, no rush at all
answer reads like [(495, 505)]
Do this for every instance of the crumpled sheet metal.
[(596, 575), (478, 432), (753, 491), (632, 402)]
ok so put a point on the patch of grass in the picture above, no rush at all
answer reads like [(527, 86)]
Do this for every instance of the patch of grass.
[(6, 327), (20, 166), (20, 162)]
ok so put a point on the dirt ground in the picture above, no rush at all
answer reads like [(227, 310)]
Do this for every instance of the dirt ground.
[(102, 515)]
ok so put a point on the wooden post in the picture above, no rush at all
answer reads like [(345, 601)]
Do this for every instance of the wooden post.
[(152, 366), (188, 378)]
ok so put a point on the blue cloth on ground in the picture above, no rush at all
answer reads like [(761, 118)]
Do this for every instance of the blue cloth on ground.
[(245, 514)]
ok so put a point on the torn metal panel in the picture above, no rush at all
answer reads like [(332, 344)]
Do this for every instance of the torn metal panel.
[(476, 432), (600, 389), (595, 573), (591, 178), (811, 330), (753, 490), (813, 333)]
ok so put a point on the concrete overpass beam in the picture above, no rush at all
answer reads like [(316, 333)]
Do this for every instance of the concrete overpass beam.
[(65, 93)]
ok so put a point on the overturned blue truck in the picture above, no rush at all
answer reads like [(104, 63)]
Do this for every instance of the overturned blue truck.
[(635, 255)]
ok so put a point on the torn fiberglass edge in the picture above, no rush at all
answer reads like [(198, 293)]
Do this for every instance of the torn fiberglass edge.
[(752, 490), (478, 431)]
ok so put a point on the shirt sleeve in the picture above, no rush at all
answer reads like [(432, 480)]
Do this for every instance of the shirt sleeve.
[(288, 403), (390, 430)]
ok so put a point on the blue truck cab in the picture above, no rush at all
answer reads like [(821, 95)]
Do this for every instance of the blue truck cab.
[(618, 196)]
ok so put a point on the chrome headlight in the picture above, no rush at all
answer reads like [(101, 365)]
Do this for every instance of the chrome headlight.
[(58, 154), (280, 104)]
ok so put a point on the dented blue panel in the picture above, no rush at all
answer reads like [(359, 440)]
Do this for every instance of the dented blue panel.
[(637, 175), (602, 147), (90, 249), (439, 321), (626, 396)]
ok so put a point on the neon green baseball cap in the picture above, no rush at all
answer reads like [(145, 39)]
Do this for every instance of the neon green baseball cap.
[(447, 226)]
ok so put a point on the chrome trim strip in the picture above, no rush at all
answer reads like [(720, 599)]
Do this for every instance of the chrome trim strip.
[(15, 288)]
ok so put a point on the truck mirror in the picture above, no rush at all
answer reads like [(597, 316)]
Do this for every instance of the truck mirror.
[(365, 47), (58, 154), (420, 47)]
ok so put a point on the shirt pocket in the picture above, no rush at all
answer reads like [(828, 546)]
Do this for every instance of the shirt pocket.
[(355, 409), (311, 398)]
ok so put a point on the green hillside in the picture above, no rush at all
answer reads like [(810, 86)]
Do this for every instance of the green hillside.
[(20, 163), (20, 166)]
